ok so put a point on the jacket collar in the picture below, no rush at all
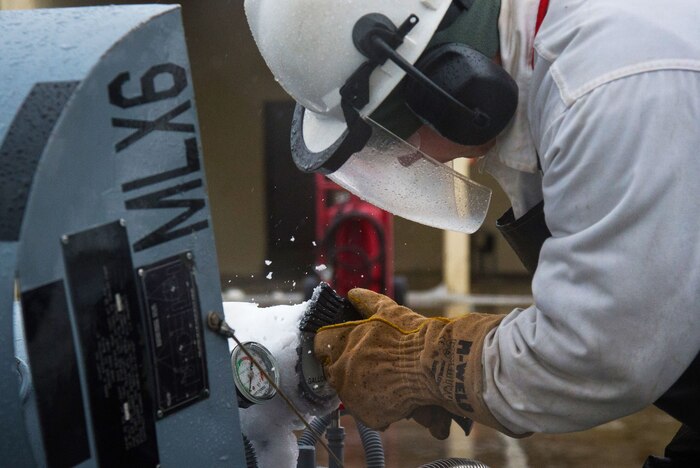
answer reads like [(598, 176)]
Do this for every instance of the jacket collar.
[(517, 22)]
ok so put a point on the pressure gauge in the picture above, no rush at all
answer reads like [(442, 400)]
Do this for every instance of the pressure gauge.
[(252, 387)]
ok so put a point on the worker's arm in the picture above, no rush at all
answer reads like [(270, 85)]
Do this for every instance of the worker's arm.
[(616, 290), (616, 319)]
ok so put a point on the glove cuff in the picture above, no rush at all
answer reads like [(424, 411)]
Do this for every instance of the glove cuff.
[(452, 367)]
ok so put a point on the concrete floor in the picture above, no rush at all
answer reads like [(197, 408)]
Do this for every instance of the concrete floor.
[(621, 444)]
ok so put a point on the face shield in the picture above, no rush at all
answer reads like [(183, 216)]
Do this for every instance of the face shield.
[(460, 93), (397, 176)]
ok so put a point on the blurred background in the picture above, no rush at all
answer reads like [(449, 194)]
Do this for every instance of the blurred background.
[(259, 199), (265, 221)]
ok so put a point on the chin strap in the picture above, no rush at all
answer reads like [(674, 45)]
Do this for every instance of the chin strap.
[(369, 31)]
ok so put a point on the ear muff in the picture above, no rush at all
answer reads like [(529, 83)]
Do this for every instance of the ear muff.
[(472, 79)]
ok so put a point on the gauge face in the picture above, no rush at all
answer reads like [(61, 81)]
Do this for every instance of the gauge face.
[(313, 383), (251, 383)]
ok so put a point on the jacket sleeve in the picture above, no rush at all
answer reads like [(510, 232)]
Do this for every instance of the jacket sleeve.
[(616, 317)]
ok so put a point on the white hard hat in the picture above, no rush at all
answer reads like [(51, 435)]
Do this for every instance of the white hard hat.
[(308, 46), (341, 59)]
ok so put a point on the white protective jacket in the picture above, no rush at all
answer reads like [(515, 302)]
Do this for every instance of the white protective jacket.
[(612, 108)]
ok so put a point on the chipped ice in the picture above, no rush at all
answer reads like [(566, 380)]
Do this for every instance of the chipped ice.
[(270, 426)]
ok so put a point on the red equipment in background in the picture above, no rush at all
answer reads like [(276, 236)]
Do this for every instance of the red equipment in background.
[(355, 242)]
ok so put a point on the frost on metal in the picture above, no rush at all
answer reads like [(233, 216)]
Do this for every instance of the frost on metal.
[(270, 426)]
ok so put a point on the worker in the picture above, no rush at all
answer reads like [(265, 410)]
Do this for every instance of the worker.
[(586, 112)]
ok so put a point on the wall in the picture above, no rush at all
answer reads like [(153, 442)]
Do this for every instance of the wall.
[(17, 4)]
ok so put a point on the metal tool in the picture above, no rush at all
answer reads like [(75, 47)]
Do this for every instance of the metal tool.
[(326, 308)]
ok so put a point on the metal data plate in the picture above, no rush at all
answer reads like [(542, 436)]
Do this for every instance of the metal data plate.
[(110, 329), (170, 296)]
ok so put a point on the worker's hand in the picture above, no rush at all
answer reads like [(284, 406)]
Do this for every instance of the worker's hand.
[(395, 361)]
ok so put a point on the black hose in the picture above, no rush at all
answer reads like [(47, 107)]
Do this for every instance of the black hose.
[(371, 441), (455, 463), (372, 444), (251, 460), (319, 424)]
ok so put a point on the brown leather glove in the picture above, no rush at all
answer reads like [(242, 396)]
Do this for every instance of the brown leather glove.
[(395, 361), (438, 420)]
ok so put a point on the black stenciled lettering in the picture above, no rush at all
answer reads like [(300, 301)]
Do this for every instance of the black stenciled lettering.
[(158, 200), (149, 93), (192, 165), (464, 347), (144, 127), (461, 398), (460, 371)]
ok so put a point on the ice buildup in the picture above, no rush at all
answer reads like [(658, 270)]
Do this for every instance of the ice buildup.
[(270, 425)]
